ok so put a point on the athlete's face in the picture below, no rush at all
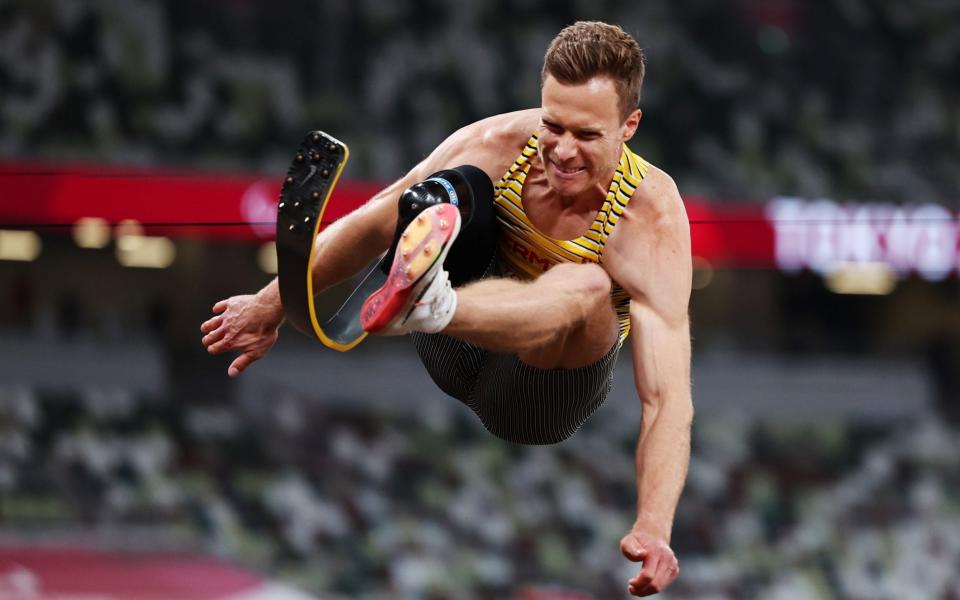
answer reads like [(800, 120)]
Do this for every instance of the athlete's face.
[(581, 134)]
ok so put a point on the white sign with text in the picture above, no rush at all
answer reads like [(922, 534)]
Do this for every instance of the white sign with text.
[(820, 235)]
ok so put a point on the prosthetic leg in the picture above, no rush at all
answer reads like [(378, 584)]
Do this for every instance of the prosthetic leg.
[(303, 199)]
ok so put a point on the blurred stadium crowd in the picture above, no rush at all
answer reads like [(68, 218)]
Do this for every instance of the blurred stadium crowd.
[(370, 504), (745, 100), (749, 99)]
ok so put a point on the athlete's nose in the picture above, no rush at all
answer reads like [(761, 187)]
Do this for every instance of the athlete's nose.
[(566, 149)]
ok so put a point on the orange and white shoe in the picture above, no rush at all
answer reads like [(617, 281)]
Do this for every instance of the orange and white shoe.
[(417, 295)]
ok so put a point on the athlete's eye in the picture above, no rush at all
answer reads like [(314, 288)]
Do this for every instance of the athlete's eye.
[(552, 127)]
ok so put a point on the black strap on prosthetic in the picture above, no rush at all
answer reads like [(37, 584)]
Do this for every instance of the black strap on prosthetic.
[(303, 199), (470, 190)]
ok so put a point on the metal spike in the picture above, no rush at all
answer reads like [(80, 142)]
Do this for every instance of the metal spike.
[(444, 224)]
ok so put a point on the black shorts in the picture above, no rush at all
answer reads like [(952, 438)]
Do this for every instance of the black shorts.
[(515, 401)]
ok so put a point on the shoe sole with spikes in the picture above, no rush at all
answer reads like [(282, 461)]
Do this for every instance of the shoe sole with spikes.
[(419, 255)]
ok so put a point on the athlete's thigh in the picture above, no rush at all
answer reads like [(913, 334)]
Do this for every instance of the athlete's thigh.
[(527, 405), (453, 364), (580, 346)]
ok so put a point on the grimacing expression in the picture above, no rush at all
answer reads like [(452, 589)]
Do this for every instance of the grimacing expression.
[(581, 134)]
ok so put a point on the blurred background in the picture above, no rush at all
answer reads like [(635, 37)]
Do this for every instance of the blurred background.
[(142, 144)]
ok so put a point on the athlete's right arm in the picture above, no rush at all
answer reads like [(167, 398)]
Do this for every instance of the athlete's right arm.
[(249, 323)]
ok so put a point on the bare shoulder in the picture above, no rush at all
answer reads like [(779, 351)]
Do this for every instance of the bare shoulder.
[(655, 217), (657, 201), (491, 144), (509, 130), (648, 252)]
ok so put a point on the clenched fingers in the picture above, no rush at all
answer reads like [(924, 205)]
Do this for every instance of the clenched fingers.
[(641, 584), (660, 568), (632, 549), (667, 571)]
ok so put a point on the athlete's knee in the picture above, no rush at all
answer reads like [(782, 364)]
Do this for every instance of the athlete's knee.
[(587, 281), (595, 280), (586, 288)]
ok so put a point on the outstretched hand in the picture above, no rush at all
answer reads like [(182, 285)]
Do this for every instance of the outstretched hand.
[(246, 324), (660, 566)]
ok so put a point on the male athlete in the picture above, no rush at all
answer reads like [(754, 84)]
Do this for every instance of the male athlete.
[(593, 242)]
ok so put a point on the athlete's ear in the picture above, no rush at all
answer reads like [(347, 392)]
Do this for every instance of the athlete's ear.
[(630, 125)]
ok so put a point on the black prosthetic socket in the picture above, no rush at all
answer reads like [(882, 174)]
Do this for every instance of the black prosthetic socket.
[(471, 190)]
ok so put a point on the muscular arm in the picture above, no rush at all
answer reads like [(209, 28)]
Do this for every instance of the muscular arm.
[(662, 374), (651, 260)]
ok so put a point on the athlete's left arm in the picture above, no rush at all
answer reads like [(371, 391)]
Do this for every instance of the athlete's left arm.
[(649, 255)]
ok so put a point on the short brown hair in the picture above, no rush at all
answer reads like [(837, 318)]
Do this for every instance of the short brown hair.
[(587, 49)]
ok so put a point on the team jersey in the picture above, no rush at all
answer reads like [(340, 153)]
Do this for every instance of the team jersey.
[(525, 252)]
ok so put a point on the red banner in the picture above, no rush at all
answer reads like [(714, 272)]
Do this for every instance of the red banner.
[(232, 206), (170, 203)]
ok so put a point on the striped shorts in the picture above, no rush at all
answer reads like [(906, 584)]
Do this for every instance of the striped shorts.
[(517, 402)]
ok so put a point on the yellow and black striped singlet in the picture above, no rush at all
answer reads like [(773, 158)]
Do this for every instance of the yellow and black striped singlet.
[(526, 252)]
